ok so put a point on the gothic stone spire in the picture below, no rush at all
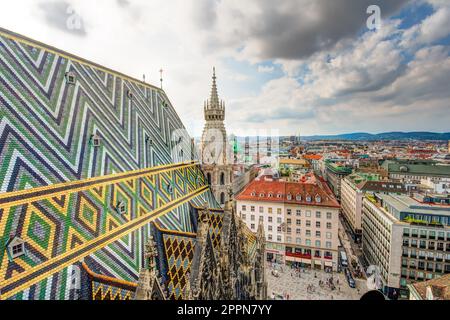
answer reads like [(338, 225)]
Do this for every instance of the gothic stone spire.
[(214, 103)]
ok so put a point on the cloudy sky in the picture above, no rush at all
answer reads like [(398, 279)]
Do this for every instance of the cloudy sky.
[(299, 67)]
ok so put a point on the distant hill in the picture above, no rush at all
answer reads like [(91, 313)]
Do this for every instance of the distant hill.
[(382, 136)]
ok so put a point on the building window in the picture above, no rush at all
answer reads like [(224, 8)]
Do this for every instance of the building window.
[(18, 250), (15, 248), (261, 209), (279, 210), (288, 221), (270, 228), (298, 213), (317, 243), (298, 222), (252, 208), (288, 239), (252, 217), (318, 214), (244, 216), (269, 237), (308, 223), (95, 140), (222, 198), (298, 231), (328, 215), (318, 199), (252, 226), (328, 225), (269, 219), (279, 229), (328, 245), (279, 238), (121, 208), (318, 234), (70, 77), (244, 208), (308, 242), (289, 212), (208, 178), (298, 197), (317, 224), (308, 233), (289, 197), (298, 241), (269, 210), (328, 235), (279, 220), (308, 213), (222, 178)]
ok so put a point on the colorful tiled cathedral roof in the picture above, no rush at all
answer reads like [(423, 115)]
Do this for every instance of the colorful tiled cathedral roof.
[(89, 157)]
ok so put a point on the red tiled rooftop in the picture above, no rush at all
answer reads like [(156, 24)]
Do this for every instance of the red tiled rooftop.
[(312, 156), (260, 190)]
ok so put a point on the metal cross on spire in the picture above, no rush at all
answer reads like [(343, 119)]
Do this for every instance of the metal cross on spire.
[(161, 77)]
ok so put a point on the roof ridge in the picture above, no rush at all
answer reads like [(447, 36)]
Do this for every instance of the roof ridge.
[(41, 45)]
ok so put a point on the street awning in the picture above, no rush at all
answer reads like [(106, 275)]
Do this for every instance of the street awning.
[(318, 262), (328, 263), (307, 261)]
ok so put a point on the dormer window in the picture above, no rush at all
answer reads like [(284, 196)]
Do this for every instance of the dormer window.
[(15, 248), (129, 94), (261, 195), (270, 195), (95, 140), (318, 199), (298, 197), (308, 198), (289, 197), (279, 195), (149, 141), (253, 194), (121, 208), (70, 77)]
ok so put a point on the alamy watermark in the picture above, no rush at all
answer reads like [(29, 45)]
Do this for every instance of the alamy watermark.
[(374, 278), (374, 20), (255, 147), (74, 21)]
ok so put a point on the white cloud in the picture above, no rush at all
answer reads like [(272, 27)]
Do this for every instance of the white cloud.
[(431, 29)]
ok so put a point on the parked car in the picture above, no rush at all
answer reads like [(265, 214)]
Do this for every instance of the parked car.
[(350, 280)]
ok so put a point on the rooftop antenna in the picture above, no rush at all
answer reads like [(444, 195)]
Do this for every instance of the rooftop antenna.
[(161, 77)]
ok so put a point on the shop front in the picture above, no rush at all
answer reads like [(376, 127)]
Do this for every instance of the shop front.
[(328, 266)]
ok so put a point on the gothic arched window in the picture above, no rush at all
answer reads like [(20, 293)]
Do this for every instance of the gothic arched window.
[(208, 178), (222, 178), (222, 198)]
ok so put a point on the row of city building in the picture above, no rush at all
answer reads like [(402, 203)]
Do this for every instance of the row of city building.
[(399, 210), (401, 217)]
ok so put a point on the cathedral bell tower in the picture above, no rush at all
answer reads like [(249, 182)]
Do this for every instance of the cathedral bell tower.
[(214, 147)]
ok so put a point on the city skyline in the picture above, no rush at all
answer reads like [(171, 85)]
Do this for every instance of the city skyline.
[(320, 73)]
